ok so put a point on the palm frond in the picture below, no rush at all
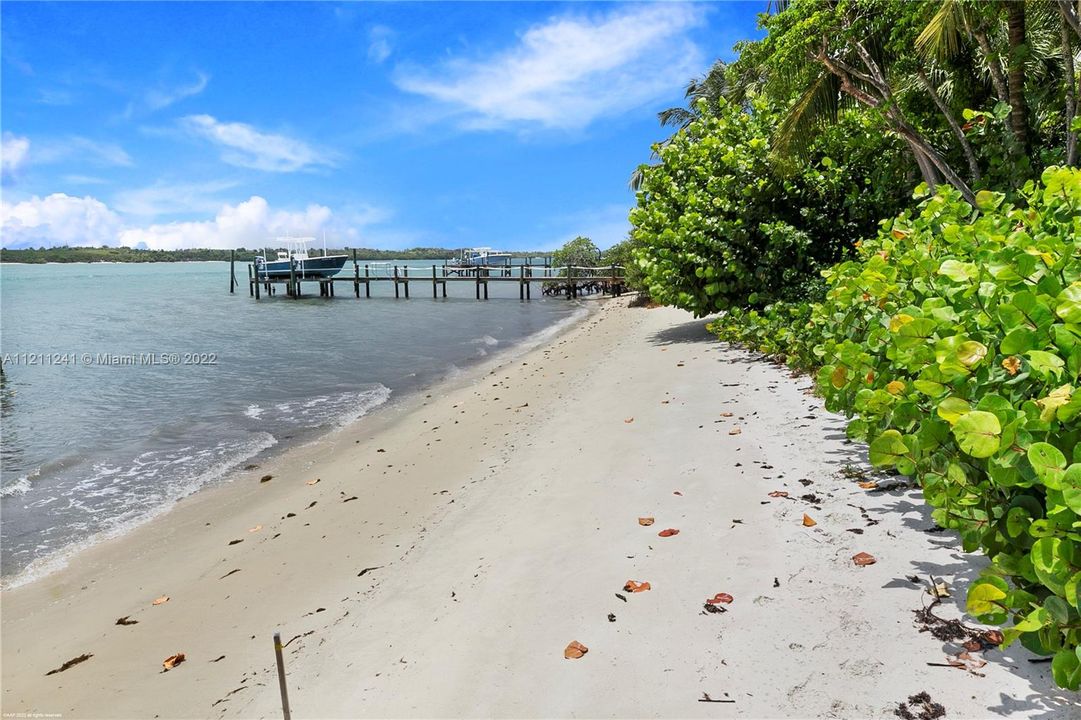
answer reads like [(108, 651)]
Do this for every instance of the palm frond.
[(941, 38), (816, 106)]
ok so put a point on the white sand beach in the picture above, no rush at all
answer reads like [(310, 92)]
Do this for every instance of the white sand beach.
[(435, 559)]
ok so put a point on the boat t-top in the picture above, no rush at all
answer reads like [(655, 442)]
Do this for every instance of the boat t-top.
[(484, 256), (296, 254)]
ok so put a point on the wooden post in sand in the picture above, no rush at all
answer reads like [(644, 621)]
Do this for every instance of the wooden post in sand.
[(281, 674)]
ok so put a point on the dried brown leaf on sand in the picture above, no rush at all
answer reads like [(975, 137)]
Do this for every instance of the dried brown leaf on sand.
[(629, 420), (257, 528), (575, 650), (160, 601), (645, 521), (669, 532), (808, 521), (727, 414), (869, 485), (720, 598), (964, 661), (940, 590), (735, 431), (313, 482), (172, 661), (863, 559), (634, 586), (778, 494)]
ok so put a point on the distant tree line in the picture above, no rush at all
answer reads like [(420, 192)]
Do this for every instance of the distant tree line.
[(67, 254)]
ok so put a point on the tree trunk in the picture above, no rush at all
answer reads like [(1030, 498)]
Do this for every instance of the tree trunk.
[(1015, 28), (1070, 15), (998, 80), (894, 117), (1071, 92), (927, 168), (966, 146)]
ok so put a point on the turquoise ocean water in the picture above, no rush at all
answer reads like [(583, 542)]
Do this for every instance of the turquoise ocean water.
[(127, 387)]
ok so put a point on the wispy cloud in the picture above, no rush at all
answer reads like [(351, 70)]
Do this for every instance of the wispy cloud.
[(95, 152), (244, 146), (162, 97), (379, 38), (84, 180), (605, 226), (569, 71), (55, 97), (165, 198), (13, 152)]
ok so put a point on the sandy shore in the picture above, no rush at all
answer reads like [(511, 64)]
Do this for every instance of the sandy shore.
[(454, 545)]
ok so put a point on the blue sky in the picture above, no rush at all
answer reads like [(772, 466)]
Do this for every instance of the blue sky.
[(172, 125)]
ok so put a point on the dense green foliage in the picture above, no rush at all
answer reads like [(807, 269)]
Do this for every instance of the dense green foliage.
[(951, 332), (954, 342), (131, 255), (580, 252), (722, 221)]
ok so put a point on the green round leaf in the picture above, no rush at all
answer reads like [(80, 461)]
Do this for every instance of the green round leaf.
[(978, 433), (888, 449), (1049, 464)]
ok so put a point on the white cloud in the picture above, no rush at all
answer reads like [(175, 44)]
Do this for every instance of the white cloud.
[(58, 219), (164, 97), (84, 149), (165, 198), (379, 38), (244, 146), (13, 152), (569, 71), (250, 224)]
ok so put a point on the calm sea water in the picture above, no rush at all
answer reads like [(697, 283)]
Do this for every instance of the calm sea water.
[(89, 449)]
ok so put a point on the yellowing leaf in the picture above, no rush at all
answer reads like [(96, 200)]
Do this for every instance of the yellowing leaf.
[(808, 521), (837, 379), (970, 353), (899, 321), (1012, 364), (895, 387), (1056, 399)]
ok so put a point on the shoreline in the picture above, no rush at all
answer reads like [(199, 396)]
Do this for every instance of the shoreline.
[(397, 401), (436, 563)]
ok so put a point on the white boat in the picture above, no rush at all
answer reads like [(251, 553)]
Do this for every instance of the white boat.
[(296, 254), (484, 256)]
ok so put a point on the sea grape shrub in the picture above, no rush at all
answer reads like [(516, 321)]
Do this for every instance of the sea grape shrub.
[(953, 342), (722, 222)]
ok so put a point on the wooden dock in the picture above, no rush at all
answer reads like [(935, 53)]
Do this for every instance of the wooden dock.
[(571, 281)]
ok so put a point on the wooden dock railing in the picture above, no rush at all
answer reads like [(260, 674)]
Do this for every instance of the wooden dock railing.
[(570, 280)]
